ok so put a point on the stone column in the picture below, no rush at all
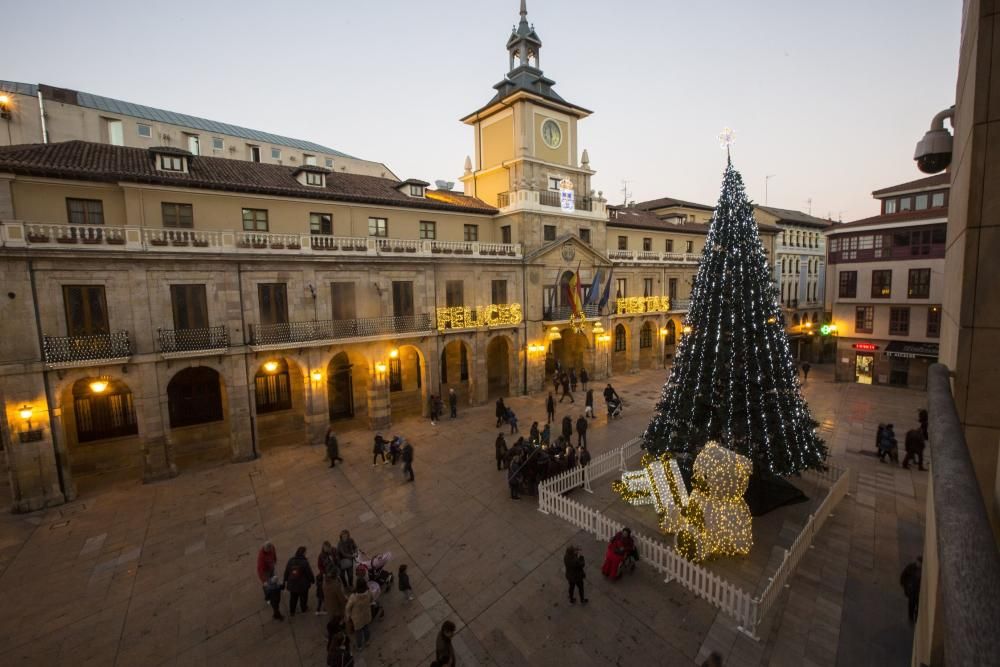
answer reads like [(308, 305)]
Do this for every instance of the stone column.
[(317, 409), (31, 463), (379, 411), (157, 462), (240, 401), (633, 345)]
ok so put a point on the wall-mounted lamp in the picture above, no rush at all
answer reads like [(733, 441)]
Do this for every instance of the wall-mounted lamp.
[(99, 385), (664, 331), (270, 366), (316, 375), (598, 328), (554, 333), (5, 107), (394, 353), (26, 411), (380, 367), (536, 348)]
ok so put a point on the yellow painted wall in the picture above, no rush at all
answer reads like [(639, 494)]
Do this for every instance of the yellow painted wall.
[(498, 142), (488, 186), (46, 201)]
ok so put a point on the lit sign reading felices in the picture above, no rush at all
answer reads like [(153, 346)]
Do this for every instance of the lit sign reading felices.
[(642, 304), (493, 315)]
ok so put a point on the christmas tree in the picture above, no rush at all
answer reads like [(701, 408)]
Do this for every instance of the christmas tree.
[(734, 380)]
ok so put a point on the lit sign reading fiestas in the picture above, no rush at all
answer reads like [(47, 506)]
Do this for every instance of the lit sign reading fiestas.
[(642, 304)]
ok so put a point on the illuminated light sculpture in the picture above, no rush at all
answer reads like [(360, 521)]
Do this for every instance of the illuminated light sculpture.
[(717, 518), (658, 483), (632, 305), (493, 315)]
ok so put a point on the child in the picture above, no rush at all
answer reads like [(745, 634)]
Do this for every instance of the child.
[(404, 583), (272, 593)]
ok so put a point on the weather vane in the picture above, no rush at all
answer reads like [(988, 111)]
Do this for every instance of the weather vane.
[(727, 138)]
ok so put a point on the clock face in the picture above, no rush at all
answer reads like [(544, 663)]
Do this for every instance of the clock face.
[(551, 133)]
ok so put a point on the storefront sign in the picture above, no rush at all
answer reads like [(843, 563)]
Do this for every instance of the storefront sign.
[(566, 196), (494, 315), (904, 350), (632, 305), (865, 347)]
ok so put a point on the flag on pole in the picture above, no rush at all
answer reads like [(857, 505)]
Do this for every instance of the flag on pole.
[(607, 290), (595, 288), (573, 290)]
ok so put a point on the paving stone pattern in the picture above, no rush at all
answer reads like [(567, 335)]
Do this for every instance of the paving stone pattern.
[(163, 574)]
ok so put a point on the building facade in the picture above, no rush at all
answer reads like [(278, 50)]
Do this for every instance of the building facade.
[(886, 284)]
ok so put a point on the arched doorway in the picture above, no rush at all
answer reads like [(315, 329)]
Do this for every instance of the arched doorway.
[(498, 367), (199, 432), (647, 345), (456, 362), (279, 396), (620, 350), (571, 350), (340, 387), (407, 382), (102, 433)]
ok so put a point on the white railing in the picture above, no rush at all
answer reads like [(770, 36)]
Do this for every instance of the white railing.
[(652, 256), (747, 610)]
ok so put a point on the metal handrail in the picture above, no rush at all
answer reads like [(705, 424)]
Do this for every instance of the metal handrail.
[(318, 330), (62, 350), (173, 341)]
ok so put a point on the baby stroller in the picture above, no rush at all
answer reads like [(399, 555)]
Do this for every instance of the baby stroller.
[(374, 572), (614, 408)]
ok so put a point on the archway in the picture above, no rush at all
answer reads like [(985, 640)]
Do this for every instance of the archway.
[(571, 350), (102, 433), (456, 362), (620, 350), (199, 429), (407, 382), (647, 345), (498, 367), (279, 397)]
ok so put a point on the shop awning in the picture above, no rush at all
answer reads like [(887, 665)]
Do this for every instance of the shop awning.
[(905, 350)]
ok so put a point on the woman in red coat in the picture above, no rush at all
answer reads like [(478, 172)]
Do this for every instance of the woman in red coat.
[(267, 557), (613, 557)]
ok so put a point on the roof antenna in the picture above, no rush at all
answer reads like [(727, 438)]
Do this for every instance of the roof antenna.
[(625, 191)]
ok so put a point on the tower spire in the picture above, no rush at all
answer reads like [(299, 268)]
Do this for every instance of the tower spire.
[(524, 10)]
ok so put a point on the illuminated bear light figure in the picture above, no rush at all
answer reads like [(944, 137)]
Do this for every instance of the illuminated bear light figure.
[(717, 517)]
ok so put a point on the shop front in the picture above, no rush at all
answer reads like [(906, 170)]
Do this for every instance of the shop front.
[(908, 363)]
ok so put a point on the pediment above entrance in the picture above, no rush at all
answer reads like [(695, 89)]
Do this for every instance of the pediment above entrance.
[(564, 250)]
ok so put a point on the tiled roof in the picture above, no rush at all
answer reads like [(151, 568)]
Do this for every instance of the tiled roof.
[(631, 216), (667, 202), (905, 216), (797, 217), (928, 182), (112, 164)]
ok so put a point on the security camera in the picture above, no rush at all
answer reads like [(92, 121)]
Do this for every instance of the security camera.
[(933, 152)]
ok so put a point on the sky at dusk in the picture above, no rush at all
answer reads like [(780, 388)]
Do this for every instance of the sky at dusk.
[(829, 97)]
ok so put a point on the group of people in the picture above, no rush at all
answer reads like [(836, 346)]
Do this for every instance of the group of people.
[(915, 441), (528, 462), (435, 406), (398, 449), (567, 380), (621, 553)]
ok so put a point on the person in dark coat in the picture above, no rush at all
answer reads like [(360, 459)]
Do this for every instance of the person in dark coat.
[(584, 379), (581, 430), (922, 416), (453, 402), (567, 428), (534, 437), (570, 457), (438, 407), (572, 379), (514, 477), (501, 411), (339, 651), (914, 445), (347, 549), (550, 409), (444, 653), (512, 420), (332, 447), (588, 405), (565, 390), (584, 458), (887, 445), (805, 371), (878, 437), (501, 451), (408, 460), (574, 564), (299, 578), (910, 581), (546, 434), (378, 449)]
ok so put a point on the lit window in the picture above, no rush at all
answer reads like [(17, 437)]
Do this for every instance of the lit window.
[(145, 131)]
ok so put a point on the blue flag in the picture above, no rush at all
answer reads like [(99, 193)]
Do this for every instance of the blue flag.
[(607, 290), (595, 288)]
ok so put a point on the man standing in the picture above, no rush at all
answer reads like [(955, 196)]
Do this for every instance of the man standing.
[(550, 409), (501, 450), (584, 378), (408, 460), (574, 564), (453, 402), (501, 411), (567, 429), (581, 431), (332, 447), (914, 444), (910, 581), (514, 476), (805, 371)]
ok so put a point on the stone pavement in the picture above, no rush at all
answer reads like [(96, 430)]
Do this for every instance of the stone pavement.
[(163, 574)]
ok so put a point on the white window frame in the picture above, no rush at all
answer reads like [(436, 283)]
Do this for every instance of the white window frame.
[(149, 129), (218, 144), (416, 190), (275, 153), (314, 179)]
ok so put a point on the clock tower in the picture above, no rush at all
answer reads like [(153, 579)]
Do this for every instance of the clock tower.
[(525, 138)]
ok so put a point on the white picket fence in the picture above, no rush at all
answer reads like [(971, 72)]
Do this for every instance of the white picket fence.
[(747, 610)]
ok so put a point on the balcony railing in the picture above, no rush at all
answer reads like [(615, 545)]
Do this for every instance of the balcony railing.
[(652, 256), (680, 304), (553, 198), (561, 313), (22, 234), (320, 331), (193, 342), (73, 351)]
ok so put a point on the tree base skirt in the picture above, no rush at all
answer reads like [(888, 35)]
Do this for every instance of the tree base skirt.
[(768, 492)]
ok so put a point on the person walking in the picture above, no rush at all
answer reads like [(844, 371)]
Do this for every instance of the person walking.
[(575, 574), (887, 445), (914, 444), (453, 402), (565, 391), (403, 583), (325, 564), (332, 447), (408, 460), (444, 653), (588, 405), (378, 449), (805, 371), (584, 378), (910, 581), (556, 380), (438, 407), (347, 550), (550, 409), (267, 559), (567, 428), (512, 420), (501, 411), (358, 612), (581, 430), (572, 379), (501, 450), (299, 578)]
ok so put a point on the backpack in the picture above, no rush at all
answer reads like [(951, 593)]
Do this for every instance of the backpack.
[(295, 574)]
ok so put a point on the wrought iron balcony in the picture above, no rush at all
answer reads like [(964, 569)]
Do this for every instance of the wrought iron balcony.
[(320, 332), (75, 351), (561, 313), (193, 342), (553, 198)]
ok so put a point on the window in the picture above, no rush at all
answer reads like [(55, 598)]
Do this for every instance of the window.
[(498, 292), (320, 223), (190, 306), (342, 299), (177, 215), (881, 284), (428, 229), (934, 321), (647, 287), (85, 211), (646, 336), (254, 152), (144, 131), (115, 133), (416, 191), (919, 284), (505, 236), (171, 162), (86, 310), (621, 287), (218, 144), (273, 390), (328, 162), (313, 178), (668, 245), (864, 319), (889, 205), (273, 301), (110, 414), (848, 285), (255, 220), (194, 397), (937, 199), (396, 374), (549, 232), (623, 243), (275, 153), (920, 202), (309, 160), (620, 338), (585, 236), (378, 227), (905, 203), (454, 293), (402, 297), (690, 247), (193, 144), (554, 182), (899, 321), (647, 244), (471, 232), (672, 290)]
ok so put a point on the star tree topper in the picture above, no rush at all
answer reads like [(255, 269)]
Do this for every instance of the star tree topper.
[(727, 138)]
